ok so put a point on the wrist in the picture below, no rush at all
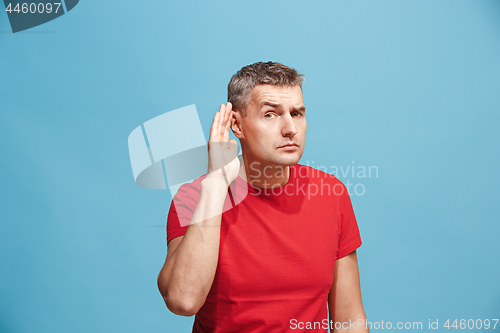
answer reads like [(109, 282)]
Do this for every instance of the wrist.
[(213, 183)]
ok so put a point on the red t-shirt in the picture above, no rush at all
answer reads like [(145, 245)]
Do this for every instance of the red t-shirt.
[(277, 252)]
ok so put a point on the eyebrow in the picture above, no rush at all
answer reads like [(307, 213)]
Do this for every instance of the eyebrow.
[(267, 103), (274, 105)]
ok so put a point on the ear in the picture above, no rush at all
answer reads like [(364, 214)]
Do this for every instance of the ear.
[(236, 124)]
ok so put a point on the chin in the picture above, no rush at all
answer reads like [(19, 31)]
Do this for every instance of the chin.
[(289, 160)]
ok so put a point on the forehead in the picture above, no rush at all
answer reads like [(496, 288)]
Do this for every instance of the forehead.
[(283, 95)]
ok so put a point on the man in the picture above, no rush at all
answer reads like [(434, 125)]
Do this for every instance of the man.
[(261, 243)]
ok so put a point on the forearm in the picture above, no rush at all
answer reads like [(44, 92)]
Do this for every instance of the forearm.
[(354, 324), (188, 273)]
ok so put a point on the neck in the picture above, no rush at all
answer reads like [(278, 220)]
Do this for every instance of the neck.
[(263, 175)]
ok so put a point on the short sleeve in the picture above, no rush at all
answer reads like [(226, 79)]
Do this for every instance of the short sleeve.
[(181, 210), (349, 239)]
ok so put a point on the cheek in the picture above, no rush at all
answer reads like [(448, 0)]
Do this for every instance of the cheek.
[(304, 128), (261, 134), (262, 141)]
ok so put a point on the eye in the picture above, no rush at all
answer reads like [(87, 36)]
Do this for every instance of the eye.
[(268, 114), (298, 113)]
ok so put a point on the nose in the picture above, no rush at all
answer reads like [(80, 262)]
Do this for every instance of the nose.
[(289, 129)]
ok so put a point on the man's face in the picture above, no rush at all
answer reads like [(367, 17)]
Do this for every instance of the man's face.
[(275, 117)]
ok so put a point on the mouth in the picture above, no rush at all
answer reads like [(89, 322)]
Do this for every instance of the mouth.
[(289, 147)]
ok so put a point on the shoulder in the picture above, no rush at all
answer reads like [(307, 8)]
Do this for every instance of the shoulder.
[(189, 190), (184, 203)]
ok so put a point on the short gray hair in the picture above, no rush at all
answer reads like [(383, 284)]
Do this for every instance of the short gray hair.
[(273, 73)]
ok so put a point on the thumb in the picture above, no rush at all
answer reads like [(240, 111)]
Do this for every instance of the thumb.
[(233, 145), (231, 153)]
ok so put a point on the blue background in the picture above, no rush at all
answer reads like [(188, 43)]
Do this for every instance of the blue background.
[(411, 87)]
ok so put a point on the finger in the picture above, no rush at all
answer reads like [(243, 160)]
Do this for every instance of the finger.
[(229, 107), (221, 120), (226, 130), (214, 129), (215, 122), (227, 124)]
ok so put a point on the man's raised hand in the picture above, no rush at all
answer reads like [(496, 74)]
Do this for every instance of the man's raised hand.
[(223, 162)]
